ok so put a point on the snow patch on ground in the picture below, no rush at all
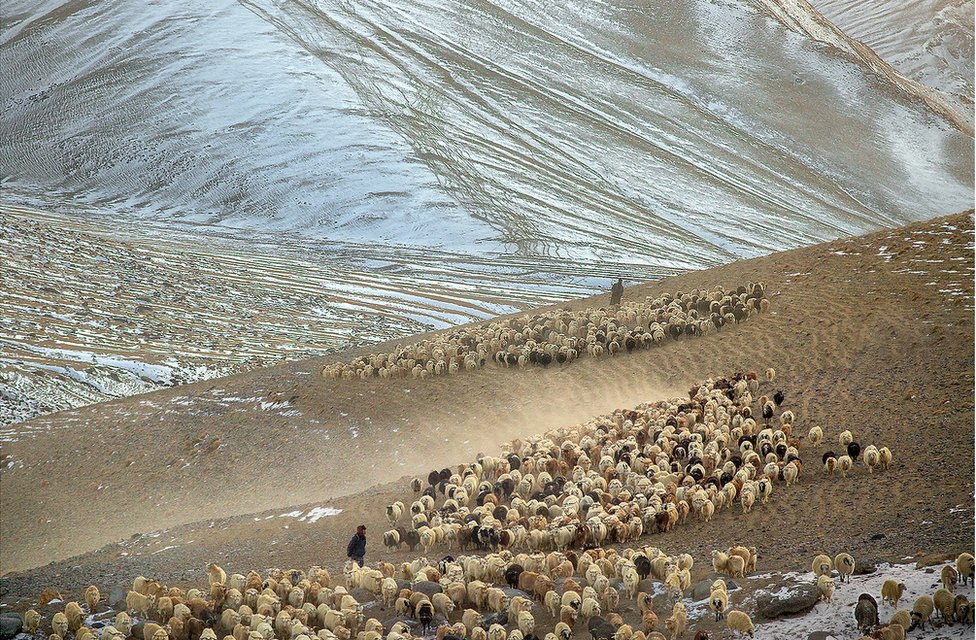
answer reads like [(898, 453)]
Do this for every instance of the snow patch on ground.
[(837, 618)]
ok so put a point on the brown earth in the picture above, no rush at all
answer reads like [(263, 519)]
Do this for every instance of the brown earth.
[(872, 334)]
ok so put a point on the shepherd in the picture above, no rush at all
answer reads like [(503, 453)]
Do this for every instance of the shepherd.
[(356, 550), (617, 291)]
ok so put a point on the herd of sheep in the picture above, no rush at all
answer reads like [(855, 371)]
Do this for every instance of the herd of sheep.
[(549, 536), (561, 336), (616, 477)]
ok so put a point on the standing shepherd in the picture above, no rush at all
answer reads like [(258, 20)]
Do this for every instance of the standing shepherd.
[(357, 546), (617, 291)]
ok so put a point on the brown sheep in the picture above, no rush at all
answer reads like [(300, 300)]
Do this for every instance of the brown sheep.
[(649, 620), (542, 586), (92, 597)]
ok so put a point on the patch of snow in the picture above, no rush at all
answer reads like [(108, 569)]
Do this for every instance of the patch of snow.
[(317, 513), (837, 618)]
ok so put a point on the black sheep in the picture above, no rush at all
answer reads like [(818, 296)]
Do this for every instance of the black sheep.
[(412, 539), (642, 565), (779, 397), (600, 629), (853, 450), (866, 612), (425, 612), (512, 575)]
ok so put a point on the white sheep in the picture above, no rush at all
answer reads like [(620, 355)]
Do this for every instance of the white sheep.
[(815, 436)]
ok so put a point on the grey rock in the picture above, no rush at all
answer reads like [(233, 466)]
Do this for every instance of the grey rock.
[(116, 598), (515, 593), (10, 625), (801, 599), (428, 588), (702, 589)]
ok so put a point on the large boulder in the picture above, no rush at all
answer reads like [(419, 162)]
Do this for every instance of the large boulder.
[(797, 599), (428, 588), (116, 598), (10, 625)]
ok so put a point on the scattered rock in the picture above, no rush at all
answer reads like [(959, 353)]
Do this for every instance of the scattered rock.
[(801, 598), (863, 568), (701, 590), (878, 536), (116, 598)]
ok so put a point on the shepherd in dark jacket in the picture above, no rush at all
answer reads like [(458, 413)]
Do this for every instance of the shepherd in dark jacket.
[(617, 291), (357, 546)]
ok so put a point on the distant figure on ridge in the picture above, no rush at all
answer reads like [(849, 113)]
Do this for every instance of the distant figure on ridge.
[(617, 291), (357, 546)]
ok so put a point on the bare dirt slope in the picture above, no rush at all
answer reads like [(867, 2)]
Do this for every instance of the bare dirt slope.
[(872, 334)]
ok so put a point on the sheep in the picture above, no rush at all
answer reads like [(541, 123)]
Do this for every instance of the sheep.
[(215, 574), (825, 588), (471, 619), (890, 632), (526, 623), (425, 613), (921, 611), (719, 561), (394, 512), (32, 620), (442, 604), (822, 565), (845, 463), (740, 623), (872, 458), (901, 617), (791, 473), (963, 609), (589, 609), (892, 592), (552, 602), (845, 438), (649, 621), (677, 624), (944, 603), (123, 623), (718, 602), (884, 457), (92, 597), (866, 612), (136, 603), (736, 567), (815, 436), (949, 577), (75, 615), (965, 566), (844, 563)]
